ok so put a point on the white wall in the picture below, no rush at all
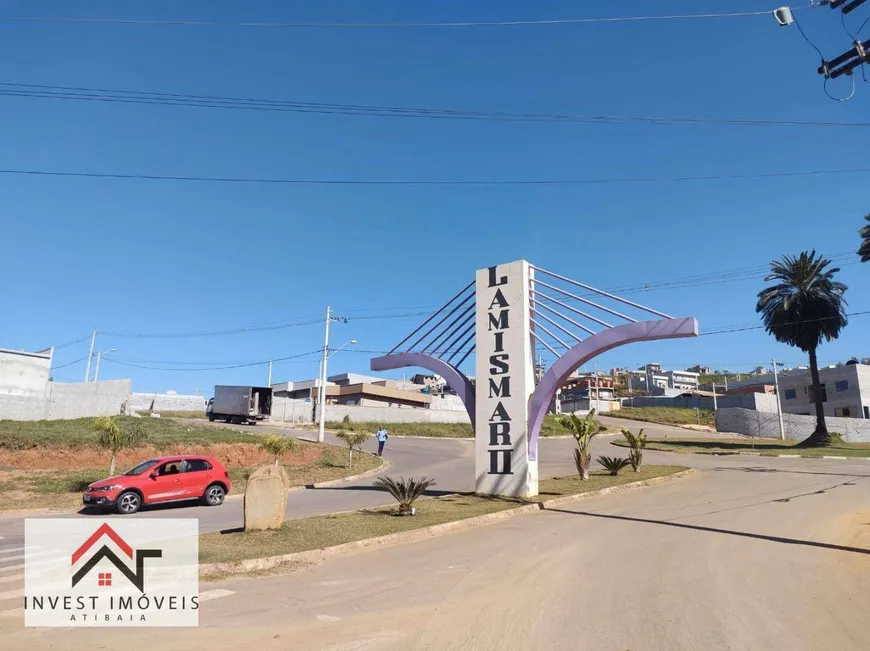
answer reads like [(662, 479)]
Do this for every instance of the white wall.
[(68, 400), (336, 413), (168, 402), (291, 410), (24, 373), (797, 428)]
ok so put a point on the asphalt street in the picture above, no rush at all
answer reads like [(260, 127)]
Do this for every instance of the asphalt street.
[(750, 553)]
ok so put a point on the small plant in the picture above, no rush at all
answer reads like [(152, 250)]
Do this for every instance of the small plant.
[(405, 491), (583, 430), (111, 436), (277, 445), (613, 464), (353, 440), (637, 442)]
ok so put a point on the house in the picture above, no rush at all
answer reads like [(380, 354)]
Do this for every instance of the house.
[(24, 373), (658, 382), (354, 389), (845, 391)]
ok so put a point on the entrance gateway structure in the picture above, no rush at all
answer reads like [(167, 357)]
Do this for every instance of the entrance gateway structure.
[(504, 315)]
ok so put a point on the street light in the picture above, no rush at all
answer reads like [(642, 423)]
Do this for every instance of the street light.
[(100, 357), (322, 393)]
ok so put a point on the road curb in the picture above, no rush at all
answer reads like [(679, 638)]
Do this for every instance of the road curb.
[(404, 537), (385, 465)]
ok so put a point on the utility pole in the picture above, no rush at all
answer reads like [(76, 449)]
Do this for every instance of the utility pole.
[(778, 400), (269, 381), (321, 399), (97, 370), (715, 404), (90, 355)]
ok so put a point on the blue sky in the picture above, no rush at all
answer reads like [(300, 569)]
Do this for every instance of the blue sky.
[(155, 257)]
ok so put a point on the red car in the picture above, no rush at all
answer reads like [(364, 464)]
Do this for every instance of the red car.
[(157, 481)]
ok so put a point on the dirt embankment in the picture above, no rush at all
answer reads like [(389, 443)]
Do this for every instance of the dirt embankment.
[(233, 455)]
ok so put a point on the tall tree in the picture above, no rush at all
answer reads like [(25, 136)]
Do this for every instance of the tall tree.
[(805, 306), (864, 251)]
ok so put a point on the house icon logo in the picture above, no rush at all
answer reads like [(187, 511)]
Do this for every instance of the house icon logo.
[(90, 549)]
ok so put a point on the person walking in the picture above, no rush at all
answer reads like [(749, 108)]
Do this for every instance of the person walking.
[(382, 440)]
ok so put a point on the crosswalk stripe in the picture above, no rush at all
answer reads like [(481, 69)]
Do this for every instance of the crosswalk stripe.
[(9, 550), (13, 577), (32, 564), (12, 594), (214, 594)]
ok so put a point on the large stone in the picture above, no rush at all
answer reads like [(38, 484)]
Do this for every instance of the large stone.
[(266, 498)]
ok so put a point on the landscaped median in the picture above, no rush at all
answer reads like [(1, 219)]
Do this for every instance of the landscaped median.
[(314, 539), (765, 447)]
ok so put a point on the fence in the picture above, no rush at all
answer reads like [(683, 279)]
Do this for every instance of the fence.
[(168, 402), (765, 402), (394, 414), (797, 428)]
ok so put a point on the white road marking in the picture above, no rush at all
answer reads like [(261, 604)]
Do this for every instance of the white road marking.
[(47, 561), (208, 595), (9, 568), (327, 618), (9, 550), (842, 458), (9, 579), (8, 614), (12, 594)]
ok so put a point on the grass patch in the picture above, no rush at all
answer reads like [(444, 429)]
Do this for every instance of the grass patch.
[(550, 427), (329, 530), (666, 415), (767, 447), (62, 489), (21, 435)]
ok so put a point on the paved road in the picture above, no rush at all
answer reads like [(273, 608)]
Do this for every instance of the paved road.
[(751, 553)]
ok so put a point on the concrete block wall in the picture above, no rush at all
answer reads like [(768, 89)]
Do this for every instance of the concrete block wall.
[(69, 400), (797, 428), (394, 415), (291, 410), (757, 401), (168, 402)]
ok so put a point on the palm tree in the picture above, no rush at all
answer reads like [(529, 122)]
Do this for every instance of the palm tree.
[(583, 430), (353, 440), (277, 445), (864, 251), (112, 436), (805, 306)]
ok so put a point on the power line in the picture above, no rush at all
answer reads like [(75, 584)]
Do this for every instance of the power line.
[(74, 341), (283, 24), (42, 91), (54, 368), (731, 329), (421, 182), (214, 368)]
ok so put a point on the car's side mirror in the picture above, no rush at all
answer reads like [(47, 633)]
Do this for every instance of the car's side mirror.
[(153, 474)]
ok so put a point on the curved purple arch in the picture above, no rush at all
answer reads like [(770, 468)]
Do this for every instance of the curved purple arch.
[(454, 377), (540, 400)]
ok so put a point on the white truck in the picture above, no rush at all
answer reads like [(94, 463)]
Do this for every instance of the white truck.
[(240, 404)]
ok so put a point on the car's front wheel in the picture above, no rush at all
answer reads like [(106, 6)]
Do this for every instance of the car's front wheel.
[(214, 495), (128, 503)]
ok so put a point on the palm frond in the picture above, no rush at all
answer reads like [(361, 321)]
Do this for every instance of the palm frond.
[(613, 464), (405, 492), (864, 251)]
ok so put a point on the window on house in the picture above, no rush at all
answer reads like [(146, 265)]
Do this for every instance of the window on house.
[(813, 394), (790, 394), (842, 385), (843, 412)]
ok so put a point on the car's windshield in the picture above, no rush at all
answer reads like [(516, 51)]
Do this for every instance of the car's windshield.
[(142, 467)]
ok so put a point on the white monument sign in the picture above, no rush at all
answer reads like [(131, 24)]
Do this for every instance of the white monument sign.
[(505, 381)]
